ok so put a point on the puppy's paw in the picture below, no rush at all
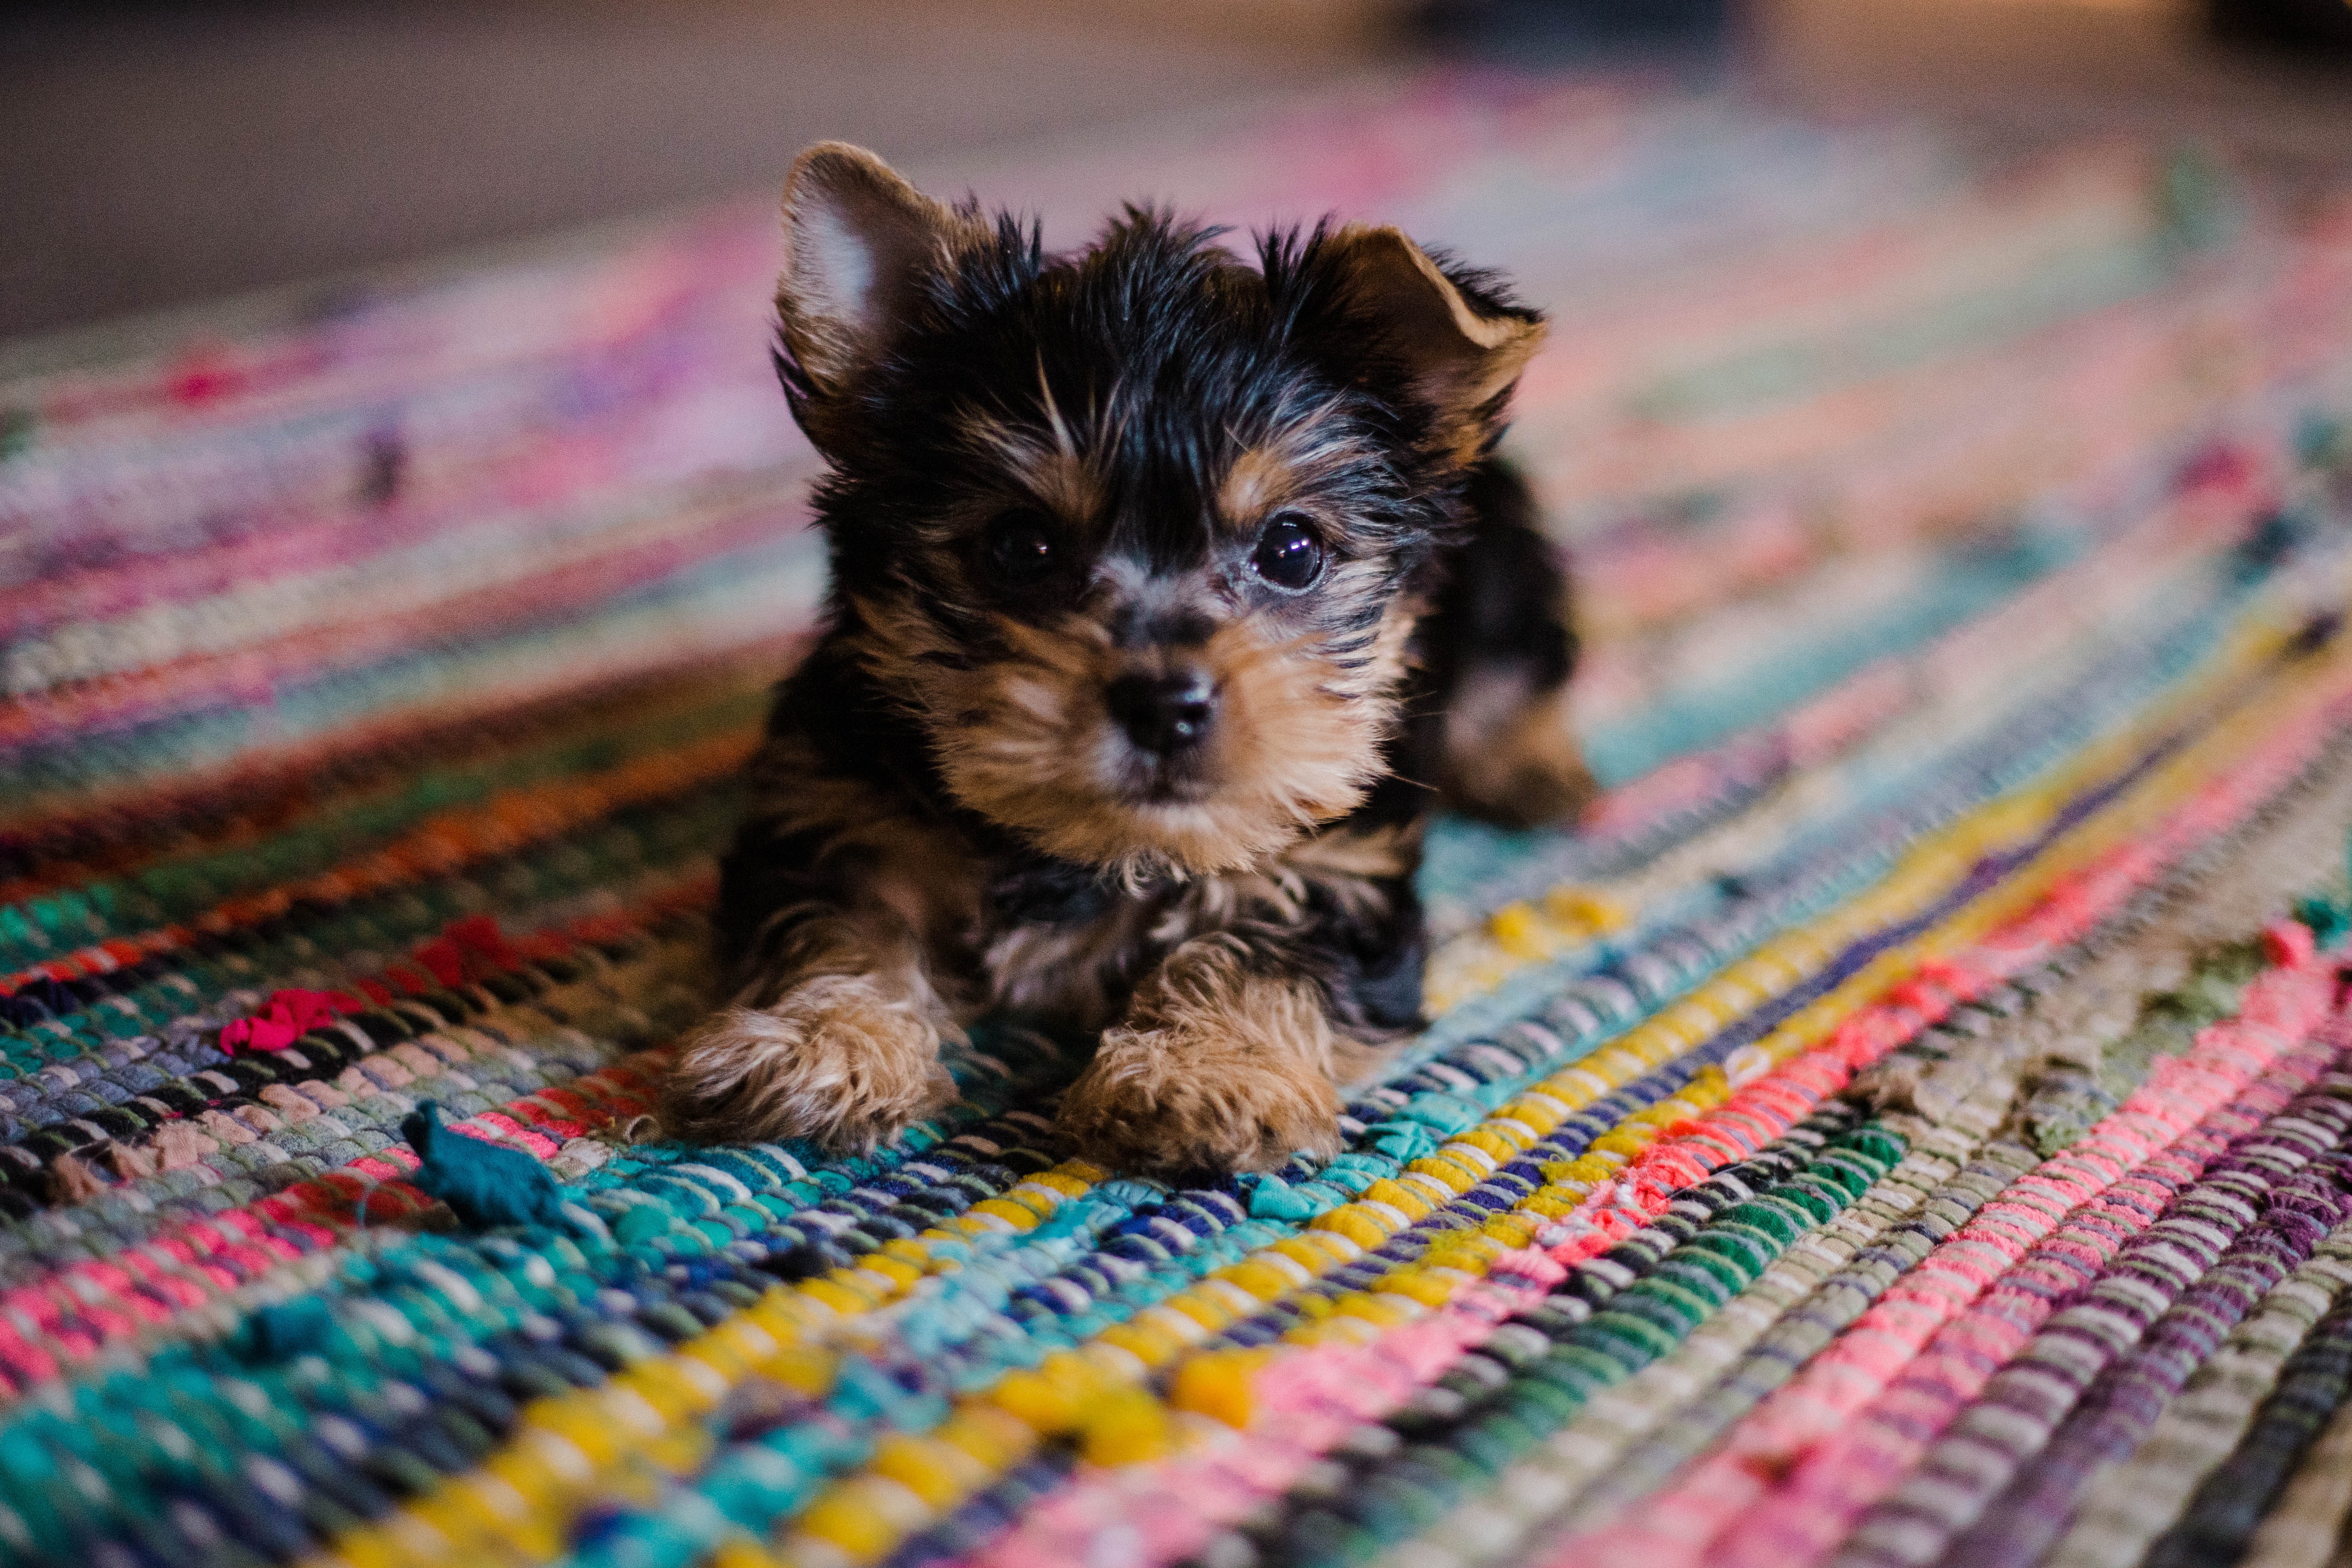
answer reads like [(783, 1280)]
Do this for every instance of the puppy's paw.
[(1176, 1102), (1521, 768), (845, 1060)]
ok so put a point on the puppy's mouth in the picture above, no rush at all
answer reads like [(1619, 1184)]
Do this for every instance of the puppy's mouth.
[(1145, 778), (1165, 781)]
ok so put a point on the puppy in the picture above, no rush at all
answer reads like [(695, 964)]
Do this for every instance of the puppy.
[(1171, 594)]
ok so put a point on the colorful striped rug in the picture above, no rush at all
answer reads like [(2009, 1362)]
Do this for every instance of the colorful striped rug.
[(1911, 1124)]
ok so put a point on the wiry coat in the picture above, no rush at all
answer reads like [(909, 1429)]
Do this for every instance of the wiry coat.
[(1169, 594)]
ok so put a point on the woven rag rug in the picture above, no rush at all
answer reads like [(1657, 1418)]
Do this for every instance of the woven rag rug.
[(1909, 1123)]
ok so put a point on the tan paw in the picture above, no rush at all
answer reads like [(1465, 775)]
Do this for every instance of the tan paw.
[(844, 1058), (1176, 1104), (1521, 768)]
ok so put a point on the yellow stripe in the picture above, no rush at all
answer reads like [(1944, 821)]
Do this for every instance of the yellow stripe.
[(647, 1420)]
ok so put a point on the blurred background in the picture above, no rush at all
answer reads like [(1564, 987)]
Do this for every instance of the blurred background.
[(156, 153)]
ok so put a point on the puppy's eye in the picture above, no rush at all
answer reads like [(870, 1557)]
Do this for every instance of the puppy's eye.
[(1288, 553), (1020, 548)]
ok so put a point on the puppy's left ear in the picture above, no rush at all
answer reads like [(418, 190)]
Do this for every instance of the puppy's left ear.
[(858, 242), (1461, 345)]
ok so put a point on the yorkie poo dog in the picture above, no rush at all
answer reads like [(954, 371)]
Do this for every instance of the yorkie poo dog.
[(1170, 594)]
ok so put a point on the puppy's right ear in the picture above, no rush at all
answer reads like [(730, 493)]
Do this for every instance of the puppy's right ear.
[(858, 241)]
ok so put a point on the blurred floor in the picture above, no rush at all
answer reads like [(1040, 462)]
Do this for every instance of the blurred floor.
[(154, 156)]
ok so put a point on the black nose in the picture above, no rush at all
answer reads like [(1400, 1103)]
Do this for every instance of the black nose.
[(1163, 713)]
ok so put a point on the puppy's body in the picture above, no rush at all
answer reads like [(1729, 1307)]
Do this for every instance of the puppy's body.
[(1170, 595)]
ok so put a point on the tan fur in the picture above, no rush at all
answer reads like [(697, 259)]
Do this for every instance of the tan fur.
[(1220, 1053), (1058, 477), (846, 1059), (1023, 740), (1074, 974), (834, 316), (1279, 471), (1215, 1067), (1511, 758), (920, 872), (837, 1040), (1077, 973), (1391, 851), (1464, 361)]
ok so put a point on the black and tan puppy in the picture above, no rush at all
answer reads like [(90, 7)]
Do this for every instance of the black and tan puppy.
[(1171, 594)]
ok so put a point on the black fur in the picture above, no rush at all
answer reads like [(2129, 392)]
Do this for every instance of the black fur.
[(1168, 358)]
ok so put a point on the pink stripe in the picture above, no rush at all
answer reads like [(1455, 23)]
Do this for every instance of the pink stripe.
[(1175, 1506), (1770, 1475), (235, 1247)]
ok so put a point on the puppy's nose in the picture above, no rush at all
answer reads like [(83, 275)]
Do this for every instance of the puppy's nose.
[(1164, 713)]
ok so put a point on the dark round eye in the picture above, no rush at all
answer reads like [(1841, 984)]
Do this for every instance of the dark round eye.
[(1019, 549), (1288, 553)]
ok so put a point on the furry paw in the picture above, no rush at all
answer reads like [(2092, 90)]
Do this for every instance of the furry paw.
[(1172, 1103), (844, 1059), (1547, 787), (1518, 770)]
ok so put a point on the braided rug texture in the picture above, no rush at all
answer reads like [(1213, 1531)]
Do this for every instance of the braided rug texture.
[(1909, 1123)]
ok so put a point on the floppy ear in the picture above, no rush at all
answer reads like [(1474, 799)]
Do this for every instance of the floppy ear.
[(1462, 348), (858, 241)]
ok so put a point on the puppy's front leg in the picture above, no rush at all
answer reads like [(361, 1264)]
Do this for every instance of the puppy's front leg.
[(837, 1040), (1223, 1062)]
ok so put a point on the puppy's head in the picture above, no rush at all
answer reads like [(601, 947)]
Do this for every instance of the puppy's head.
[(1137, 536)]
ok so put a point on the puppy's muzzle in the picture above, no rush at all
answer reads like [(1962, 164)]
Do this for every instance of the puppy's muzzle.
[(1167, 715)]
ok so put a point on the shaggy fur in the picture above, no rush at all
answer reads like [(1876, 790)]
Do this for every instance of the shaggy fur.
[(1171, 592)]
